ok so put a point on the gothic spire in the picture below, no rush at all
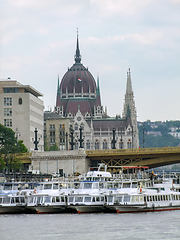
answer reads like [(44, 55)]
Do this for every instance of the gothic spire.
[(77, 56), (58, 94)]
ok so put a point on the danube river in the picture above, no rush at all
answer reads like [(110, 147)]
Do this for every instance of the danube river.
[(152, 225)]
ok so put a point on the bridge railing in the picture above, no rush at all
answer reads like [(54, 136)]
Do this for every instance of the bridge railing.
[(134, 150)]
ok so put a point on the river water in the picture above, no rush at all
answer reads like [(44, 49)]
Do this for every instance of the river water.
[(151, 225)]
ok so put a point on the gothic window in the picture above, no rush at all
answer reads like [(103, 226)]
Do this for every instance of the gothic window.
[(76, 126), (104, 144), (82, 126), (96, 145), (128, 145), (121, 145), (88, 144)]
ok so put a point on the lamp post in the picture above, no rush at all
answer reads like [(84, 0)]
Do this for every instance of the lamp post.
[(121, 137), (71, 138), (36, 141), (113, 141), (80, 138)]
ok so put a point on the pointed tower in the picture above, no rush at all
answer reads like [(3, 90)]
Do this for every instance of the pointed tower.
[(98, 93), (129, 107), (58, 95), (77, 56)]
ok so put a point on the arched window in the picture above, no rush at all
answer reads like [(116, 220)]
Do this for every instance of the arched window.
[(88, 144), (104, 144), (121, 145), (82, 126), (76, 126), (96, 145)]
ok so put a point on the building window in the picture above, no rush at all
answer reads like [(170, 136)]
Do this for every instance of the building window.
[(129, 145), (52, 126), (88, 144), (76, 126), (52, 140), (8, 122), (7, 101), (6, 90), (121, 145), (7, 112), (82, 126), (96, 145), (104, 144), (61, 126), (20, 101)]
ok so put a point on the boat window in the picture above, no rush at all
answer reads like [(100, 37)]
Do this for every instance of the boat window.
[(47, 186), (87, 185), (97, 199), (156, 198), (57, 199), (179, 197), (101, 185), (55, 185), (150, 198), (39, 187), (12, 200), (176, 197), (137, 198), (87, 199), (76, 185), (102, 199), (31, 200), (47, 199), (126, 198), (0, 200), (54, 199), (118, 198), (110, 198), (39, 200), (62, 199), (134, 185), (159, 198), (133, 199), (109, 185), (64, 185), (115, 185), (95, 185), (15, 187), (119, 185), (153, 197), (7, 186), (22, 200), (78, 199), (164, 197), (71, 199), (93, 199), (147, 198), (126, 185), (17, 200), (6, 200)]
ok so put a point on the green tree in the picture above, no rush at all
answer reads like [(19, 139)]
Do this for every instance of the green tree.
[(15, 164), (2, 165), (53, 148), (7, 140)]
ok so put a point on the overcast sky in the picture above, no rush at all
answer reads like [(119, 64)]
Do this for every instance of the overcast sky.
[(38, 43)]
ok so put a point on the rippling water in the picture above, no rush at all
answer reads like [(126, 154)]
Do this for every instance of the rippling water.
[(151, 225)]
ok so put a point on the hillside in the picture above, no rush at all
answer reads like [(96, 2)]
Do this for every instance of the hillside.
[(159, 134)]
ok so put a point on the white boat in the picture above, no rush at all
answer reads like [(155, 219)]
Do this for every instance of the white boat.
[(145, 201), (47, 203), (12, 203), (87, 203)]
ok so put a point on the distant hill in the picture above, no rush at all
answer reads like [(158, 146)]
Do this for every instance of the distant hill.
[(159, 134)]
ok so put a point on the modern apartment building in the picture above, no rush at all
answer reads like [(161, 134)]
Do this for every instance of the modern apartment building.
[(22, 110)]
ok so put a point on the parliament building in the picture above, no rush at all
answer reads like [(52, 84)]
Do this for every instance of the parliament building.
[(79, 118)]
